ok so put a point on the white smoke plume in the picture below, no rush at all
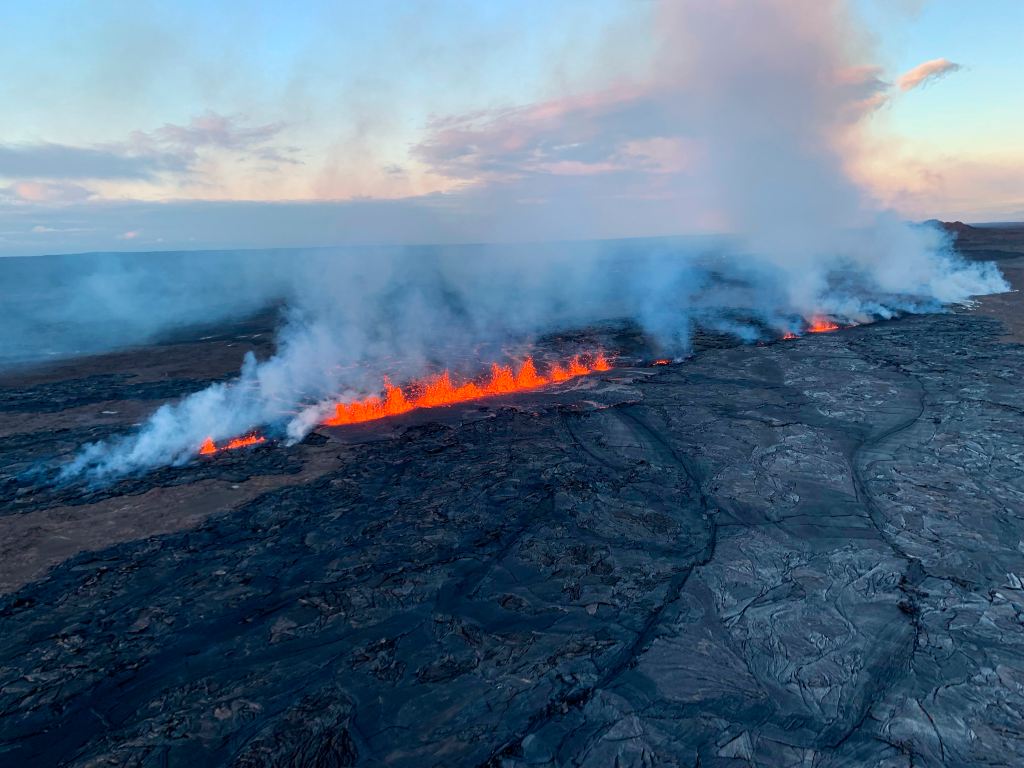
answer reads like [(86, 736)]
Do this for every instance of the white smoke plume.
[(768, 97)]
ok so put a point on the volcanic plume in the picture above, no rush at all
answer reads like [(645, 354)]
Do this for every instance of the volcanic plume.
[(769, 112)]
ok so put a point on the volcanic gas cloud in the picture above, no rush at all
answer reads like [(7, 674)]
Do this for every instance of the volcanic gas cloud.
[(765, 117)]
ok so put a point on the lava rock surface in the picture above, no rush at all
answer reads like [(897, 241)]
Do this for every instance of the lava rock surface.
[(808, 552)]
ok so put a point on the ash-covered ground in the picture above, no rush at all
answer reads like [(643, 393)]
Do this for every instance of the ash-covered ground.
[(808, 552)]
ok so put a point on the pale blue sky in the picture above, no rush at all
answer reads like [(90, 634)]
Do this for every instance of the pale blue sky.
[(92, 71), (112, 107), (984, 101)]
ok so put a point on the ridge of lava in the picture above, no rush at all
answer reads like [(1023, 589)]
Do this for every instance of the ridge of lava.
[(440, 390), (437, 391), (210, 447)]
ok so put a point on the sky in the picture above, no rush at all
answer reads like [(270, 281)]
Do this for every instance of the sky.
[(156, 126)]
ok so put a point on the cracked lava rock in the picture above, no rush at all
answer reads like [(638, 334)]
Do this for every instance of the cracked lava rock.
[(803, 553)]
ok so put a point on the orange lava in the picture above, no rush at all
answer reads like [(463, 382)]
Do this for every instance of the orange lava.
[(244, 442), (790, 335), (822, 325), (661, 362), (209, 447), (440, 390)]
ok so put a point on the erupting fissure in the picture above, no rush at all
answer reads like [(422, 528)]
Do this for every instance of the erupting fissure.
[(209, 447), (822, 325), (439, 390), (816, 325)]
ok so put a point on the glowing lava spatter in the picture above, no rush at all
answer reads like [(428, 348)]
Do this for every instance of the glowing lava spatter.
[(817, 324), (439, 390), (661, 362), (209, 447), (822, 325)]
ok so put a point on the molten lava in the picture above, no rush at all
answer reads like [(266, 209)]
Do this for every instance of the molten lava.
[(437, 391), (440, 390), (209, 447), (817, 324), (661, 362), (822, 325)]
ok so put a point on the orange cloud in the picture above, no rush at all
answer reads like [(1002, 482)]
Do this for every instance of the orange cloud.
[(47, 192), (926, 72)]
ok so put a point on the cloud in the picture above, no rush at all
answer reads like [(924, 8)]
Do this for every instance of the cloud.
[(675, 150), (144, 156), (948, 184), (927, 72), (44, 192), (60, 161), (217, 132), (100, 225), (649, 127), (580, 135), (212, 129), (639, 155)]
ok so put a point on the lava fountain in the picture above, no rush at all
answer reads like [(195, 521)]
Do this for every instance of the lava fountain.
[(440, 390), (209, 447), (822, 325), (817, 324), (437, 391)]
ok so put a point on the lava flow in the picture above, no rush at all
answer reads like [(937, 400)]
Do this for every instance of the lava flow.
[(816, 325), (209, 447), (440, 390), (822, 325)]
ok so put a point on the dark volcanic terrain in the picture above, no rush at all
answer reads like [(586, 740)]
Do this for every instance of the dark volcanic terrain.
[(802, 553)]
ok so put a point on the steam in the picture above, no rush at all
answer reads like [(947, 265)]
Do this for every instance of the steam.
[(769, 94), (64, 306)]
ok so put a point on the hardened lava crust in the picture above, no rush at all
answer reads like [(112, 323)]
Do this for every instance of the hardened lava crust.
[(805, 552)]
